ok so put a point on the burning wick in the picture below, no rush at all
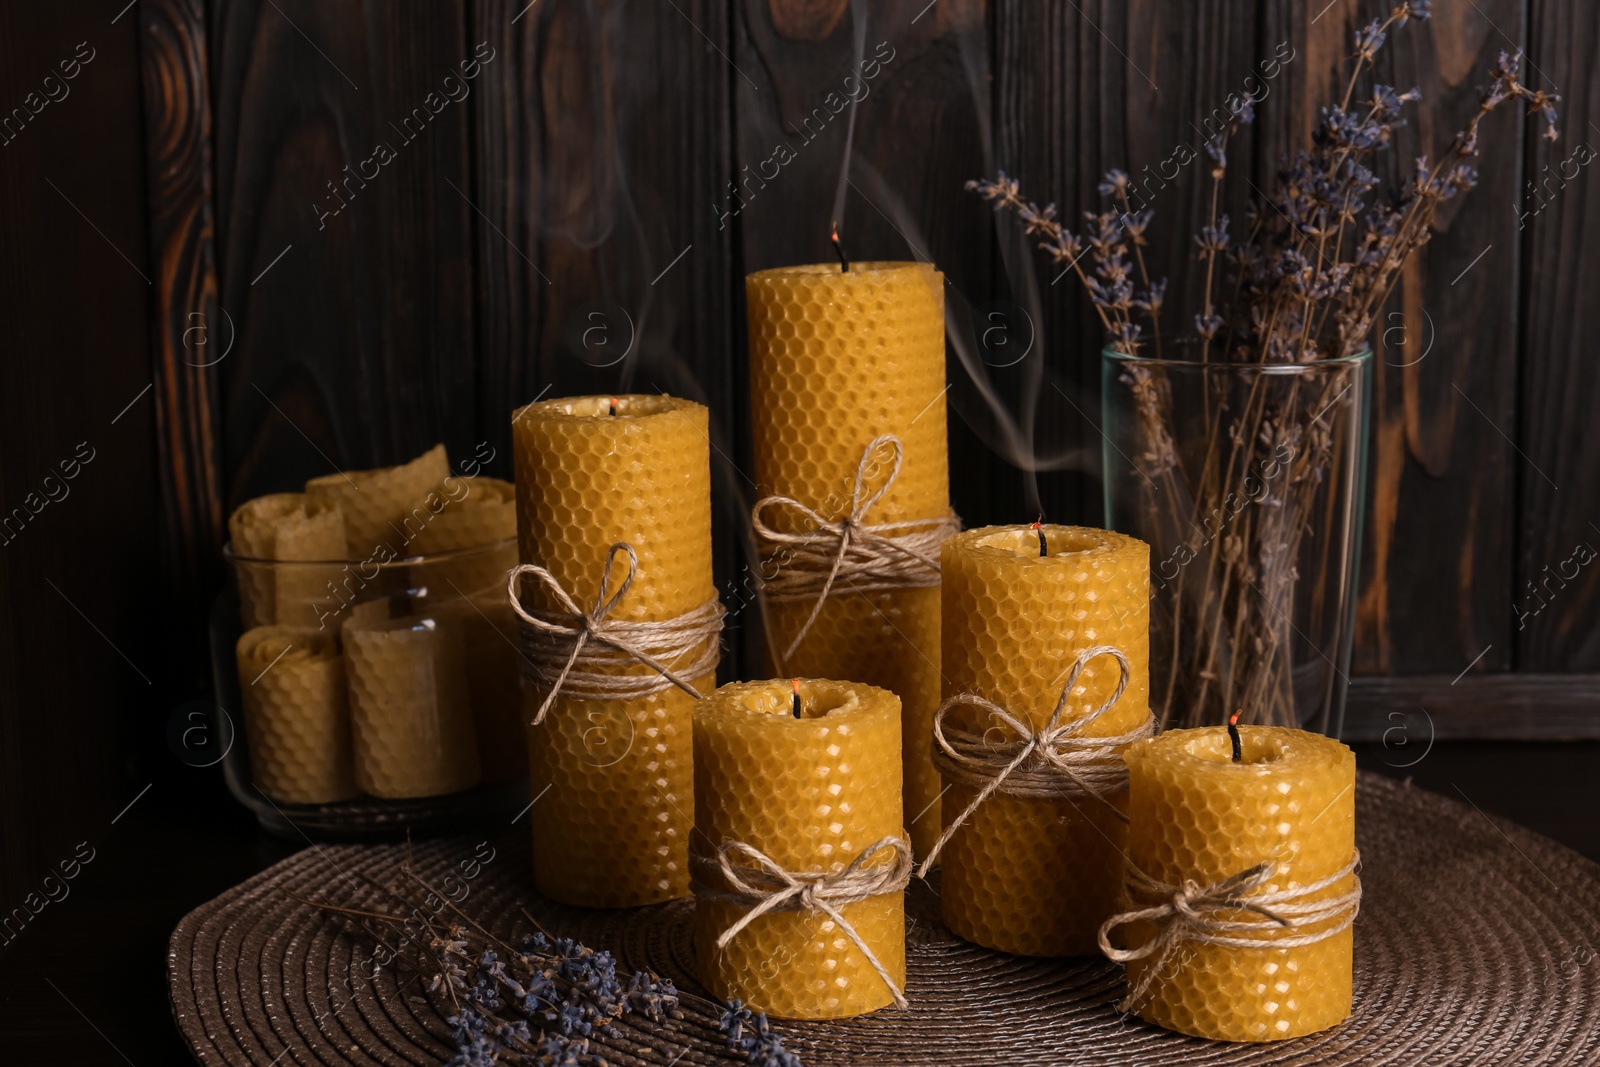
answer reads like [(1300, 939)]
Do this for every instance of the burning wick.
[(613, 405), (1233, 734), (838, 247), (796, 683), (1037, 526)]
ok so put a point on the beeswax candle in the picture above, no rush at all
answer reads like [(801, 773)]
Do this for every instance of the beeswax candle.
[(1037, 876), (811, 794), (382, 507), (285, 527), (836, 360), (295, 719), (414, 731), (613, 829), (1197, 816)]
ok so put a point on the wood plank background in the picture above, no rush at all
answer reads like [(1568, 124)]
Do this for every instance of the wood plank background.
[(563, 221), (605, 170)]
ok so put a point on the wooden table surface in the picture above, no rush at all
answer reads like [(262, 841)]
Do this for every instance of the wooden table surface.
[(85, 982)]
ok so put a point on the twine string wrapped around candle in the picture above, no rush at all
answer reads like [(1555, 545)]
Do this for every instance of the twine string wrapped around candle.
[(1056, 761), (755, 881), (1194, 913), (870, 557), (584, 650)]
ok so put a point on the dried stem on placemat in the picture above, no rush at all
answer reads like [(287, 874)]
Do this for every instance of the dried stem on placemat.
[(533, 999), (1321, 257)]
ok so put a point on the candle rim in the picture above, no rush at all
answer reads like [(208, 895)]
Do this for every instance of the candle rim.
[(856, 700), (859, 270), (991, 542), (630, 407), (1267, 749)]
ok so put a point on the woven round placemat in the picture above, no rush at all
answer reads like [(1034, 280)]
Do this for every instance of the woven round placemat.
[(1478, 943)]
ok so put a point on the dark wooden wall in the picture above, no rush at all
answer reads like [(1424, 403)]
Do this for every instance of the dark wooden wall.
[(575, 205), (587, 181)]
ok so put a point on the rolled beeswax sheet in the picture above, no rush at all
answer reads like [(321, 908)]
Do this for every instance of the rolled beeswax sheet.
[(384, 508), (837, 359), (613, 829), (285, 527), (410, 705), (296, 719)]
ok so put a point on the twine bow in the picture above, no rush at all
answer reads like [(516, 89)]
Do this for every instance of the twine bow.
[(871, 557), (1194, 913), (754, 880), (1056, 761), (585, 649)]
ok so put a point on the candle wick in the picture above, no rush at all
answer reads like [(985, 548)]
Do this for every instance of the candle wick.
[(838, 247), (613, 405), (1233, 735), (1038, 527), (797, 708)]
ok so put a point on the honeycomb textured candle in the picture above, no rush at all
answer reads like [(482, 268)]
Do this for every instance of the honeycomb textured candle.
[(295, 717), (613, 829), (410, 708), (811, 793), (1036, 877), (1195, 814), (836, 359)]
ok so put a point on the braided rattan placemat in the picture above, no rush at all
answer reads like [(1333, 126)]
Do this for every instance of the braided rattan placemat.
[(1478, 943)]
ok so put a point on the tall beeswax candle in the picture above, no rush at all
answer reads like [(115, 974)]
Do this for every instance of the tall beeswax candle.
[(1198, 816), (295, 717), (613, 830), (836, 360), (1037, 876), (811, 794)]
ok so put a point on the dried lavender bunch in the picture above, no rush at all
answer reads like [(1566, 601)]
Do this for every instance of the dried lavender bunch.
[(1325, 250), (749, 1032), (539, 1002), (1235, 550)]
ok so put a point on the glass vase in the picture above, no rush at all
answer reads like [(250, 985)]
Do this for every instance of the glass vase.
[(1248, 481)]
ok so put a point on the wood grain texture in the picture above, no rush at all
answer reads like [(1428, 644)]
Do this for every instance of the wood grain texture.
[(1555, 600), (345, 243), (190, 337), (1090, 86), (1437, 546), (602, 139), (82, 690), (1411, 710), (915, 76)]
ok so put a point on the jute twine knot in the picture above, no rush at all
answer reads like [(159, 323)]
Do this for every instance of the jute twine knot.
[(1194, 913), (1053, 762), (870, 557), (584, 650), (751, 879)]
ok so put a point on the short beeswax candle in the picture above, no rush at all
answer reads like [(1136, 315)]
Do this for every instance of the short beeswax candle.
[(1197, 816), (295, 717), (811, 794), (1037, 876), (836, 360), (410, 705), (613, 829)]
